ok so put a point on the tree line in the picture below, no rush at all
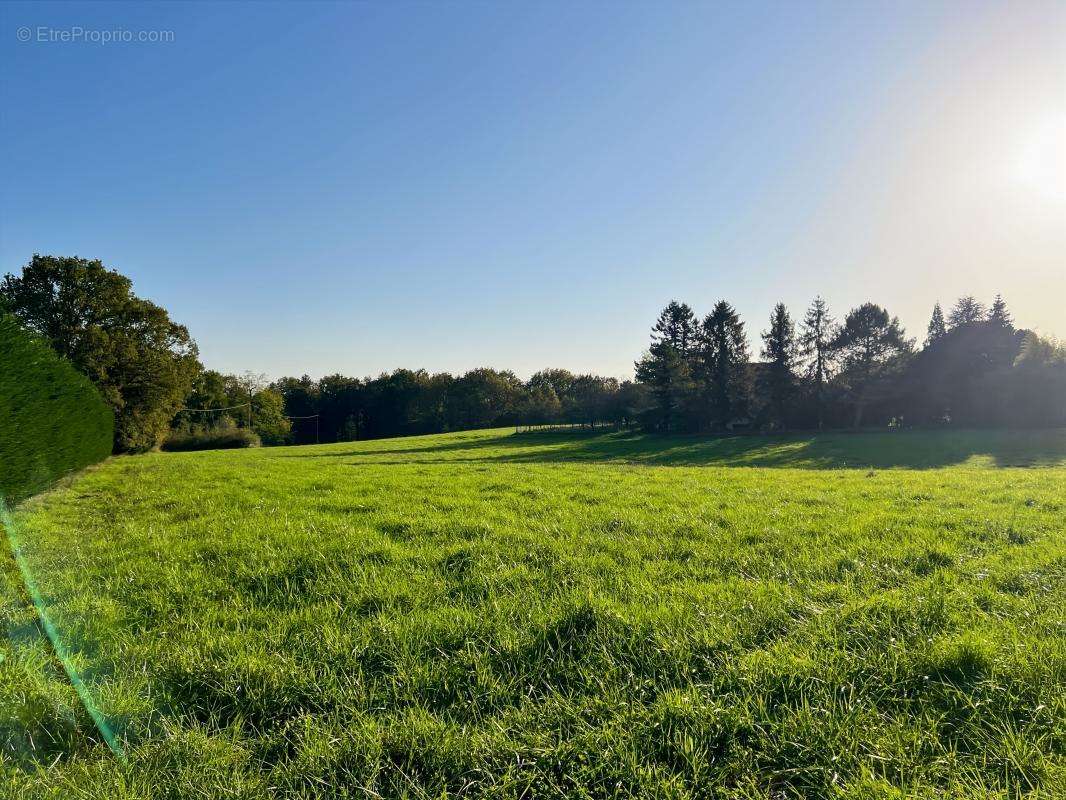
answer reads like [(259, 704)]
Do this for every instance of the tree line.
[(974, 368), (409, 402), (147, 368)]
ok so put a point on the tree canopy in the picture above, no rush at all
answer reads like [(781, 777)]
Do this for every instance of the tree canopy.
[(965, 312), (141, 361), (975, 368), (870, 345), (865, 371)]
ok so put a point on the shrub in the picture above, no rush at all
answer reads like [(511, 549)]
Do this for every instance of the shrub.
[(223, 436), (52, 419)]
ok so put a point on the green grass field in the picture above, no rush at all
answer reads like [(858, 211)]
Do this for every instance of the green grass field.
[(550, 615)]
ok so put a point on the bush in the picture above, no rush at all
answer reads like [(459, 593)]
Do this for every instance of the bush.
[(223, 436), (52, 419)]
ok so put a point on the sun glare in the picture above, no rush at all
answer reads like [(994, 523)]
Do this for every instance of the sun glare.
[(1040, 163)]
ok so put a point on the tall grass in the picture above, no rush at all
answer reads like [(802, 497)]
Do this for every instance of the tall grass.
[(482, 615)]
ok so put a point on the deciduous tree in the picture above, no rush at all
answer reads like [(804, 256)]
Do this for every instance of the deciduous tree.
[(871, 344), (141, 361)]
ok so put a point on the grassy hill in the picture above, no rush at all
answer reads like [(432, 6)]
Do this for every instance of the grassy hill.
[(551, 615)]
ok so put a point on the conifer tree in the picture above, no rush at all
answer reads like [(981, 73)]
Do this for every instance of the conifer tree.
[(815, 346), (966, 311), (677, 326), (666, 367), (1000, 315), (724, 369), (779, 349), (936, 328)]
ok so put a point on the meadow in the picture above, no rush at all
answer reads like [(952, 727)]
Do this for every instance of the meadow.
[(599, 615)]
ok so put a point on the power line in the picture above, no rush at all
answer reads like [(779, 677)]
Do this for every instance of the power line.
[(226, 408), (249, 407), (243, 405), (309, 416)]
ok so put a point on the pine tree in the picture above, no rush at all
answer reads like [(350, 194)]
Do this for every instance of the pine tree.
[(815, 346), (937, 328), (677, 326), (966, 311), (724, 370), (666, 367), (1000, 315), (779, 349)]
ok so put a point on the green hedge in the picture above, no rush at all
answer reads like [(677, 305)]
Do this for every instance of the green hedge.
[(52, 420)]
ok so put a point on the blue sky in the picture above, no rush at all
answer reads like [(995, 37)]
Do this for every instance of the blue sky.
[(318, 188)]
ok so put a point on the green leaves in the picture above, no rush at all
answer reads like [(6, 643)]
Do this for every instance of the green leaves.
[(52, 420), (141, 362)]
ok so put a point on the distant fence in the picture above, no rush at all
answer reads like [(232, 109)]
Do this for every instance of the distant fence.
[(572, 427)]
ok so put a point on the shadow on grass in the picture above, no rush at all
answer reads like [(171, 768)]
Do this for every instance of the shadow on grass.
[(838, 450)]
